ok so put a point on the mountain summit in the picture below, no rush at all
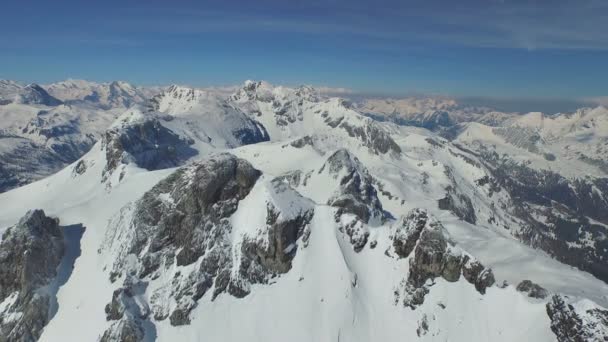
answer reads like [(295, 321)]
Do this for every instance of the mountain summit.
[(279, 212)]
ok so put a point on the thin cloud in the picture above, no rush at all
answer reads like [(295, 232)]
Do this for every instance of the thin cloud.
[(560, 24)]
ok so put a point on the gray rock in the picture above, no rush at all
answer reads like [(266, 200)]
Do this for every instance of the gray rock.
[(30, 253), (533, 290), (373, 137), (477, 274), (434, 255), (148, 144), (459, 204), (124, 330), (185, 221), (357, 194), (407, 231)]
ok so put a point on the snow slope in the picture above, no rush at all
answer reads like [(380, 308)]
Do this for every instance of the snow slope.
[(309, 245)]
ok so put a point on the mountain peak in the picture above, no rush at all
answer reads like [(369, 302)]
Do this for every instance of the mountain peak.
[(35, 94)]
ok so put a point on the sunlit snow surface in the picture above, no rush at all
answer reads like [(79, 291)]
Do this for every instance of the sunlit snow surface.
[(332, 293)]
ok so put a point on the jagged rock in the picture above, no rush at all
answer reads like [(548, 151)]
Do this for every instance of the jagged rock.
[(373, 137), (459, 204), (434, 255), (271, 253), (570, 325), (148, 144), (30, 253), (80, 168), (301, 142), (124, 330), (423, 326), (282, 234), (183, 218), (533, 290), (477, 274), (357, 194), (428, 260), (184, 222), (407, 231)]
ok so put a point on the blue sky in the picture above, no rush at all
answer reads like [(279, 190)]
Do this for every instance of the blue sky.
[(554, 49)]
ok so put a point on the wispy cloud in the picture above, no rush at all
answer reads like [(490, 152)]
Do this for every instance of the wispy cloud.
[(559, 24)]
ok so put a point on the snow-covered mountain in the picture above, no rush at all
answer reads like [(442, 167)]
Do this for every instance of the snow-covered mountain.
[(104, 95), (434, 113), (280, 214), (43, 129), (31, 94)]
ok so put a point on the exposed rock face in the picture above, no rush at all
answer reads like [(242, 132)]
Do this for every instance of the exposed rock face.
[(182, 227), (375, 138), (407, 231), (207, 117), (357, 194), (124, 330), (285, 104), (30, 253), (572, 325), (434, 255), (457, 202), (148, 144), (533, 290)]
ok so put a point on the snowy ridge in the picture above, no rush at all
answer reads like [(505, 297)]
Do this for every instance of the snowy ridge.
[(277, 212)]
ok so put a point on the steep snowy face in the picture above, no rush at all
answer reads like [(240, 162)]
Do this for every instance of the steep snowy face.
[(35, 94), (552, 168), (207, 117), (189, 236), (30, 254), (289, 113), (142, 140), (569, 144)]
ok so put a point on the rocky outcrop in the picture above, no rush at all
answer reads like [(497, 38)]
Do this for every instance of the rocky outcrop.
[(459, 204), (407, 231), (147, 144), (456, 201), (532, 289), (373, 137), (577, 325), (30, 253), (124, 330), (181, 231), (434, 256), (356, 194)]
